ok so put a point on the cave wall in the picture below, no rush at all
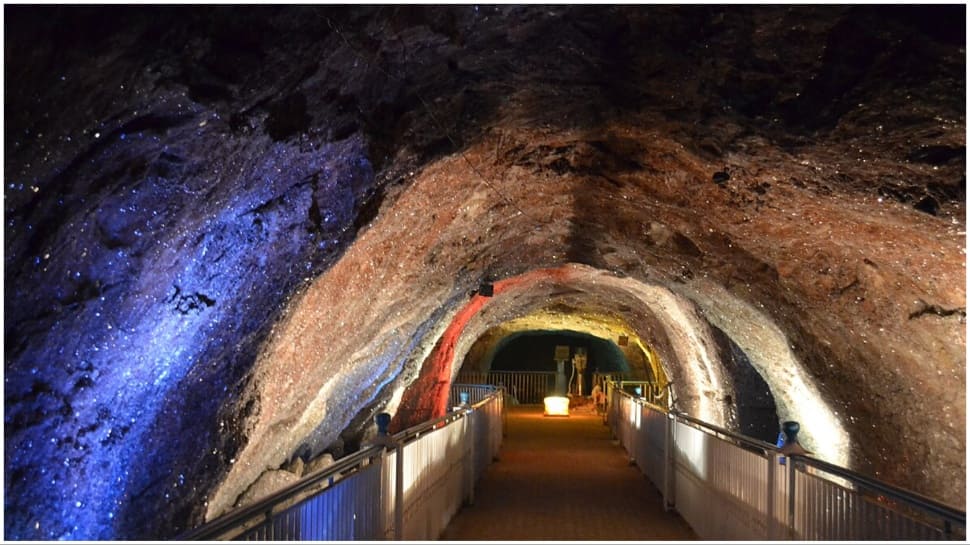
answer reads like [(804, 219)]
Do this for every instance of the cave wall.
[(224, 222)]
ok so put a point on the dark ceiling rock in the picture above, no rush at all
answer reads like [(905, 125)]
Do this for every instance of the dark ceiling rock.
[(178, 177)]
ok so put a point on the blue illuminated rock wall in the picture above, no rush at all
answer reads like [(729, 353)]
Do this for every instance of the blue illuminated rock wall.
[(173, 176), (154, 292), (150, 244)]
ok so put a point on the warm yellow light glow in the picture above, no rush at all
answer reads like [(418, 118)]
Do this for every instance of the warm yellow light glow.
[(556, 406)]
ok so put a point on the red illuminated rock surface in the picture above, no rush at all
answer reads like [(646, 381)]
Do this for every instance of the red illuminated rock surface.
[(234, 235)]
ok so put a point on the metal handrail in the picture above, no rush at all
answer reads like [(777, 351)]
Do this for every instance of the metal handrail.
[(342, 468), (489, 389), (735, 437), (416, 431), (526, 386), (935, 507), (412, 433)]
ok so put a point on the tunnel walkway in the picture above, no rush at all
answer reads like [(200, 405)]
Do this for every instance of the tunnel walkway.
[(563, 478)]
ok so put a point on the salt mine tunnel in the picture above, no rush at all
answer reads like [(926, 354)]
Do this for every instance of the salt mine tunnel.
[(235, 234)]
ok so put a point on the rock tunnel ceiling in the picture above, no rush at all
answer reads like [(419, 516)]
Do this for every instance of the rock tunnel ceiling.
[(233, 235)]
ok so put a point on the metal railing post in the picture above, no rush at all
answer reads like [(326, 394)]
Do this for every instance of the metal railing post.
[(504, 414), (399, 494), (269, 524), (771, 525), (470, 437), (381, 497), (791, 496), (669, 421)]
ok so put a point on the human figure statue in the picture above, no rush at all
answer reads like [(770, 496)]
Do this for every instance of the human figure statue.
[(599, 398)]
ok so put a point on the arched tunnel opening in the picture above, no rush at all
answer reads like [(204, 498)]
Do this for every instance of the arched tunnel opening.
[(713, 376), (751, 406), (535, 351), (234, 236)]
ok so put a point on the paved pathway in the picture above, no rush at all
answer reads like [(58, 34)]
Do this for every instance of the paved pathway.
[(563, 478)]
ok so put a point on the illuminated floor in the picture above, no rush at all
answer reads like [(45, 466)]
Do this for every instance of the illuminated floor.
[(563, 478)]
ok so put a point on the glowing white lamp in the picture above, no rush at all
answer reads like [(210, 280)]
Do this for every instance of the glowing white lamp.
[(556, 406)]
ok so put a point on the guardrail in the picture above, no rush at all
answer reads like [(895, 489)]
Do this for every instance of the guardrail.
[(526, 387), (472, 392), (406, 489), (648, 390), (759, 494)]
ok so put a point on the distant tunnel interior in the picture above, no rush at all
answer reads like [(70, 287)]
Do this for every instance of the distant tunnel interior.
[(534, 351), (751, 407)]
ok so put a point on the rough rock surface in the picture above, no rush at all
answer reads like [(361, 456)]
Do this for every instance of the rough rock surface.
[(267, 483), (233, 235)]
